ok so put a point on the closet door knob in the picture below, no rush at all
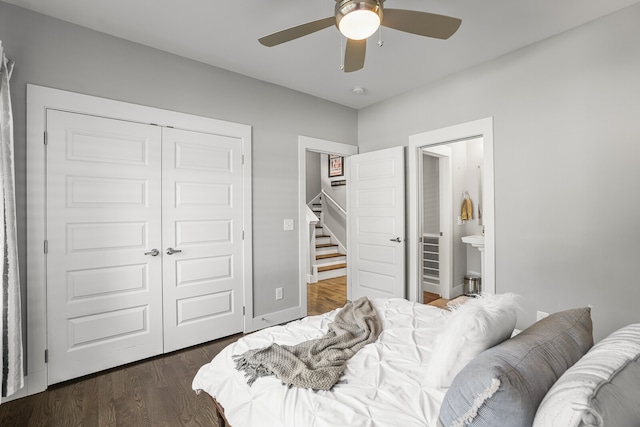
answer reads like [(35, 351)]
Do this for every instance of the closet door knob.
[(397, 239), (171, 251), (153, 252)]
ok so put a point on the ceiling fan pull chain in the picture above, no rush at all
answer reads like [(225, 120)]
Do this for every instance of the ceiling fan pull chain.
[(380, 42), (341, 52)]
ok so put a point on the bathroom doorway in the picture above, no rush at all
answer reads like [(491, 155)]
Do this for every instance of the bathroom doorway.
[(471, 176), (451, 209)]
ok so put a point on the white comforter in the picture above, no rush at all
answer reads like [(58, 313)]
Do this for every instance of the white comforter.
[(383, 384)]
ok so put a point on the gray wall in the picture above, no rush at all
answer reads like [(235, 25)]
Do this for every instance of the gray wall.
[(334, 219), (339, 192), (567, 163), (313, 175), (57, 54)]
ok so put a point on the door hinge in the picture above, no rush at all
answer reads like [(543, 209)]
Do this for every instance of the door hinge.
[(243, 311), (46, 137), (46, 356), (242, 234), (46, 246), (243, 159)]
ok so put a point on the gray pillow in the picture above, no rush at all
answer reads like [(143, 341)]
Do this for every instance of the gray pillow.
[(504, 385)]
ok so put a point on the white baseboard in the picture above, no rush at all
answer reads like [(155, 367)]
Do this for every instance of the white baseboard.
[(17, 395), (276, 318), (456, 291)]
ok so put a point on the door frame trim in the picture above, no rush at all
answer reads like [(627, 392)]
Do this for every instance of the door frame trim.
[(463, 131), (39, 100), (306, 143), (443, 154)]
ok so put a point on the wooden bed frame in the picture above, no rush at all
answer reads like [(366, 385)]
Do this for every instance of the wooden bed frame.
[(222, 420)]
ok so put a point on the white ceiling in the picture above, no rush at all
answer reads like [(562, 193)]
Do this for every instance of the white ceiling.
[(225, 34)]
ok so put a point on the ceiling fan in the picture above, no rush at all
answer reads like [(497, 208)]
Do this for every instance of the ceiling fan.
[(359, 19)]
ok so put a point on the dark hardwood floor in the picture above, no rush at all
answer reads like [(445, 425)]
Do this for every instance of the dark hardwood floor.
[(151, 393)]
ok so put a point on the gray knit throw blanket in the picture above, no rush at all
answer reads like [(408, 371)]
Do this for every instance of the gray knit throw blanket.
[(316, 364)]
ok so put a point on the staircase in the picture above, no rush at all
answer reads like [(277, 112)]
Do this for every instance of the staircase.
[(330, 261)]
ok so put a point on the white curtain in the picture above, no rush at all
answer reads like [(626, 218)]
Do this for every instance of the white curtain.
[(10, 305)]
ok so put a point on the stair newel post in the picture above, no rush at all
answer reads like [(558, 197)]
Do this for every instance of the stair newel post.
[(312, 253), (312, 269)]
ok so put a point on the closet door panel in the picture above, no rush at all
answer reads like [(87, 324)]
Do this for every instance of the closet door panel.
[(202, 217), (104, 294)]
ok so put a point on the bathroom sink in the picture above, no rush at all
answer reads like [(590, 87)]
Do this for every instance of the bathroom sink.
[(474, 240)]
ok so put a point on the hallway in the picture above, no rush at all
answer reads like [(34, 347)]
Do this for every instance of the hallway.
[(326, 295)]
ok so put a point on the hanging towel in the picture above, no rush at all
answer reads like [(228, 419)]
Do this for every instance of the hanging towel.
[(466, 212)]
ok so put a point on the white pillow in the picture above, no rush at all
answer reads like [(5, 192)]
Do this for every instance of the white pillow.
[(478, 324), (601, 389)]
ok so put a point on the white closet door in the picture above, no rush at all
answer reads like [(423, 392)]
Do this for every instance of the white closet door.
[(202, 219), (104, 295)]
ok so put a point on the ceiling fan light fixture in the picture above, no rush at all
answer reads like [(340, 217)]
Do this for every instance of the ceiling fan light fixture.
[(358, 19)]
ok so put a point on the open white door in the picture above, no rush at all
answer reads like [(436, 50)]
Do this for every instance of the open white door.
[(376, 224), (437, 246)]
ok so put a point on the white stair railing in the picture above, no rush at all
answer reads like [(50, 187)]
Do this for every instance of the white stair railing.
[(338, 234), (312, 269), (339, 220), (329, 198)]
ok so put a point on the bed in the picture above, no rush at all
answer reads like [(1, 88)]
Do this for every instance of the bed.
[(428, 367)]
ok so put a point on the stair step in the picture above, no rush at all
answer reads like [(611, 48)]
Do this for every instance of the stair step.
[(326, 245), (325, 256), (332, 267), (322, 240)]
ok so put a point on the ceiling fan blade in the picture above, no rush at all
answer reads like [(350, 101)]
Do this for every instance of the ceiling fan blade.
[(354, 55), (296, 32), (421, 23)]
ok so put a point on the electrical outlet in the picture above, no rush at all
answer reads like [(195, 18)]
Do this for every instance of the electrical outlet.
[(279, 293), (541, 315)]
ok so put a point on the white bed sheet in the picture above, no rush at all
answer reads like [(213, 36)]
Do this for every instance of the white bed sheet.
[(383, 384)]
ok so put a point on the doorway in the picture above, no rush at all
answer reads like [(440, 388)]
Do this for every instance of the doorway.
[(334, 288), (449, 136)]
